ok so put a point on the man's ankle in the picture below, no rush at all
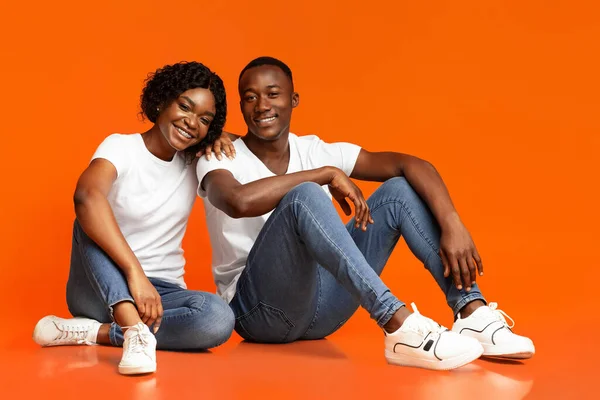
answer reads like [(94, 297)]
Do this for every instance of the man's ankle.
[(397, 320), (470, 307)]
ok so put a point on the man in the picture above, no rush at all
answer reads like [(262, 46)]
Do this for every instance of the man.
[(291, 270)]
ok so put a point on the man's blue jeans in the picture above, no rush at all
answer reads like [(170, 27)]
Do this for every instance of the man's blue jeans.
[(308, 273), (192, 319)]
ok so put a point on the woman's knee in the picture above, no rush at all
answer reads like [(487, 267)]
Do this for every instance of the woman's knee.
[(212, 325)]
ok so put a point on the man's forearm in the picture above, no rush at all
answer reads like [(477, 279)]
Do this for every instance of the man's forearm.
[(261, 196), (428, 183)]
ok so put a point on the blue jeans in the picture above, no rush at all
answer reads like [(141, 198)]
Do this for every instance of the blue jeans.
[(307, 273), (192, 320)]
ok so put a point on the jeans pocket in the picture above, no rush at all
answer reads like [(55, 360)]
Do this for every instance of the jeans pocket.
[(264, 324)]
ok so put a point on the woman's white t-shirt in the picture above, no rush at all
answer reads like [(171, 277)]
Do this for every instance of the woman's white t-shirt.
[(151, 200)]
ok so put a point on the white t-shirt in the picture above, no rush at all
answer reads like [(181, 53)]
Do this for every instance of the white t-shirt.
[(232, 239), (151, 200)]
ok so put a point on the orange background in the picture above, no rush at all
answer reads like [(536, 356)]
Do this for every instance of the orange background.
[(501, 96)]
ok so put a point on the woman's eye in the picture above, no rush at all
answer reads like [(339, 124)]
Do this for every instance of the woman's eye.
[(184, 107)]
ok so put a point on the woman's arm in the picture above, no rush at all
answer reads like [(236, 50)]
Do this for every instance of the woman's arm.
[(98, 221), (96, 216)]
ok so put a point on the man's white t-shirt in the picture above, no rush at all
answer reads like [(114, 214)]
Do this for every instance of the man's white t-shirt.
[(232, 239), (151, 200)]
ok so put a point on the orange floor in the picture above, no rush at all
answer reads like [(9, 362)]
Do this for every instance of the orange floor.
[(349, 364), (501, 96)]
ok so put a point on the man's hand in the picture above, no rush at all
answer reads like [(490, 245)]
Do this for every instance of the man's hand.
[(147, 299), (341, 187), (223, 144), (459, 255)]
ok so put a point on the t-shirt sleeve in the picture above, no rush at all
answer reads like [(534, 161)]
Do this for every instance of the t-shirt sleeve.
[(205, 166), (341, 154), (114, 149)]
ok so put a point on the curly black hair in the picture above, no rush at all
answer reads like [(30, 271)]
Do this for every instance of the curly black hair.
[(167, 83)]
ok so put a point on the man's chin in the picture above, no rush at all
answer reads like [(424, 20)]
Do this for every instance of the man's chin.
[(268, 135)]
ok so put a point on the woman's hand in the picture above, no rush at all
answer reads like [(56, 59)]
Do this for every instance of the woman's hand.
[(147, 300), (224, 144)]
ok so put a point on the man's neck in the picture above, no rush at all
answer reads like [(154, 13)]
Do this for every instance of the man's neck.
[(275, 154)]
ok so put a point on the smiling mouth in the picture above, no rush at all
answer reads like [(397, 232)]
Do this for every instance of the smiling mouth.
[(183, 133), (266, 120)]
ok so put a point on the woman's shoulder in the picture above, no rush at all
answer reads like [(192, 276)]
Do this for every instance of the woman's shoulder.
[(123, 138)]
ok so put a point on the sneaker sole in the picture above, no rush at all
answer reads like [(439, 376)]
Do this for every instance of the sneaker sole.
[(499, 352), (145, 369), (444, 365)]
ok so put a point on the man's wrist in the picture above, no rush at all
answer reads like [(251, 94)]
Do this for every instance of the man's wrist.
[(450, 221)]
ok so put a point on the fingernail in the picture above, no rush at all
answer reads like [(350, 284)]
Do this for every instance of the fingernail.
[(459, 287), (468, 289), (481, 274)]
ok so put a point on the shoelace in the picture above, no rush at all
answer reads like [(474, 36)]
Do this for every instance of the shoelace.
[(501, 314), (424, 325), (69, 333), (137, 342)]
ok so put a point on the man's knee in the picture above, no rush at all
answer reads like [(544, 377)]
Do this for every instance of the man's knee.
[(305, 193), (398, 187), (307, 188)]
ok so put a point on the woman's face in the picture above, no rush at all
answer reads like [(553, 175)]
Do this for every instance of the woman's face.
[(185, 121)]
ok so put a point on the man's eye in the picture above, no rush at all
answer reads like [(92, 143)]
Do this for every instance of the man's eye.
[(273, 94)]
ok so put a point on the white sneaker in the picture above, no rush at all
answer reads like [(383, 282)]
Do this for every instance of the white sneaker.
[(139, 351), (422, 342), (488, 325), (55, 331)]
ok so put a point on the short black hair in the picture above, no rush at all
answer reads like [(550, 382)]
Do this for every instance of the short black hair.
[(166, 84), (265, 60)]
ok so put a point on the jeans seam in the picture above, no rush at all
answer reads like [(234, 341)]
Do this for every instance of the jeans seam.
[(192, 310), (85, 260), (112, 335), (467, 299), (407, 212), (314, 320), (385, 318), (254, 251), (270, 308), (94, 282), (301, 204)]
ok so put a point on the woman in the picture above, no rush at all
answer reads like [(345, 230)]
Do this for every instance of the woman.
[(132, 204)]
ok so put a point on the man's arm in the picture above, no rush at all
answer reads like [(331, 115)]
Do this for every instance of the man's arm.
[(259, 197), (422, 176), (457, 248)]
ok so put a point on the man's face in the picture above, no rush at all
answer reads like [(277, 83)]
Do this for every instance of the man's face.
[(267, 100)]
